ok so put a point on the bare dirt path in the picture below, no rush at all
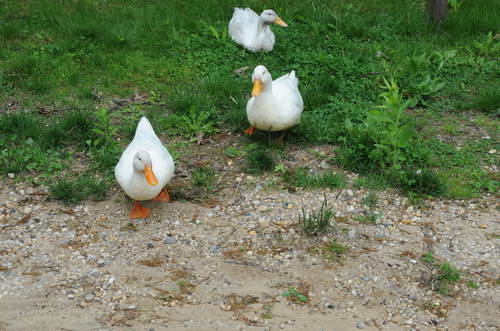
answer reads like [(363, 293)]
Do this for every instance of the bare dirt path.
[(237, 260)]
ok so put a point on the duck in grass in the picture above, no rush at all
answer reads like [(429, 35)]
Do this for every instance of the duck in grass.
[(276, 105), (252, 31), (144, 169)]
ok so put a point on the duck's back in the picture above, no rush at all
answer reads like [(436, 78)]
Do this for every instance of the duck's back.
[(243, 27)]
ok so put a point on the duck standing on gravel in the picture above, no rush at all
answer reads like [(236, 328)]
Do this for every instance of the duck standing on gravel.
[(252, 31), (144, 169), (275, 105)]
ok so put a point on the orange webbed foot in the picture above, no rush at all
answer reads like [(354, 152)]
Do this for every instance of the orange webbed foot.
[(250, 131), (139, 211), (163, 196)]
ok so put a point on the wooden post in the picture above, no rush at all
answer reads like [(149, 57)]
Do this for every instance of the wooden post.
[(437, 10)]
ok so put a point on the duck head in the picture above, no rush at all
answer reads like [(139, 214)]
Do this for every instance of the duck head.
[(142, 164), (260, 78), (268, 16)]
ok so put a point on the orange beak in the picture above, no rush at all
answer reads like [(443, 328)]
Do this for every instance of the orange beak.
[(257, 88), (279, 21), (150, 176)]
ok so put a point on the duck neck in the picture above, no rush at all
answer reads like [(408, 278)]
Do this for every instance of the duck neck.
[(261, 26)]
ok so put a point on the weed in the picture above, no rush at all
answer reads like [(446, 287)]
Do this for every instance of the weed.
[(371, 200), (472, 284), (233, 152), (316, 222), (333, 250), (428, 257), (447, 275), (370, 218), (191, 123), (295, 296), (301, 178), (74, 191), (204, 178)]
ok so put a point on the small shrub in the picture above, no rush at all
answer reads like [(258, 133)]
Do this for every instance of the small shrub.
[(295, 296), (447, 276)]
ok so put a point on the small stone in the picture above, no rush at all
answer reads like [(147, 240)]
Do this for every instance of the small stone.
[(360, 325), (483, 226), (282, 326), (11, 175), (157, 237), (169, 240), (214, 249), (491, 151), (89, 297), (100, 263), (351, 234), (71, 296), (151, 245), (413, 261)]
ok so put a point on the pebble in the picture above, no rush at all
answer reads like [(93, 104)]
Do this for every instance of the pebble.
[(169, 240), (11, 175), (360, 325), (89, 297), (214, 249)]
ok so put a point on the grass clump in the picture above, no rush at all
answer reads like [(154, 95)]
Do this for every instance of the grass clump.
[(444, 274), (318, 221), (302, 178), (447, 275), (74, 191), (203, 177), (259, 160)]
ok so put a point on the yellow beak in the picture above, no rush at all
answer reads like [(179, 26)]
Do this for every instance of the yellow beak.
[(257, 88), (150, 176), (279, 21)]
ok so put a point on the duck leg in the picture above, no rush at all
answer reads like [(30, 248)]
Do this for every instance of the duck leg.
[(163, 196), (139, 211), (250, 131), (280, 138)]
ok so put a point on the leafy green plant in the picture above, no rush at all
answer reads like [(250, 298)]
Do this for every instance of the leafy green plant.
[(387, 129), (487, 47), (428, 257), (191, 123), (455, 4), (294, 295), (104, 150), (318, 221)]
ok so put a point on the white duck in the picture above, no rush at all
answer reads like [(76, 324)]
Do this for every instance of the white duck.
[(144, 169), (275, 105), (252, 31)]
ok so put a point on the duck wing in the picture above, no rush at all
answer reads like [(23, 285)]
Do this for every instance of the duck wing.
[(243, 25)]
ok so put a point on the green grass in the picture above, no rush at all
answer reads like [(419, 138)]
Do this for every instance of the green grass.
[(74, 191), (301, 177), (259, 160), (203, 177), (68, 59)]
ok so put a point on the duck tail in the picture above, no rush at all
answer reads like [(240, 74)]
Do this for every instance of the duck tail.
[(144, 126), (292, 76)]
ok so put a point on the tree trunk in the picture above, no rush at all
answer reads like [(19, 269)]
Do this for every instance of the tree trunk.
[(437, 10)]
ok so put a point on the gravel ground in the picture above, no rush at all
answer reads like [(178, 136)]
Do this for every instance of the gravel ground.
[(224, 263)]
